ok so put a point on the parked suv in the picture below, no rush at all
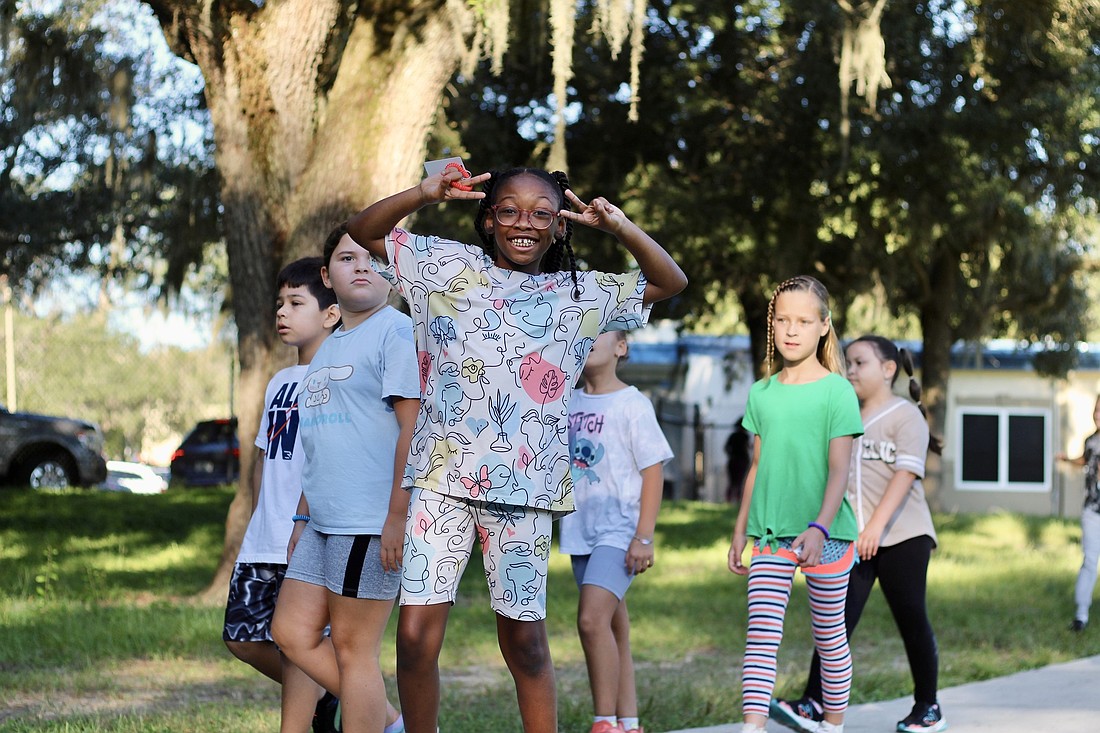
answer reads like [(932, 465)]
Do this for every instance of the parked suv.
[(50, 452), (209, 455)]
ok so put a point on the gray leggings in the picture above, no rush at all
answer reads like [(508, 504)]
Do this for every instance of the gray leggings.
[(1086, 576)]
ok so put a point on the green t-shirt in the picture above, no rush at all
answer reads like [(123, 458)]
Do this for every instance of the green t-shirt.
[(795, 423)]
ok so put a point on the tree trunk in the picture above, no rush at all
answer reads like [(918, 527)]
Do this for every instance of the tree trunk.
[(319, 108), (936, 310), (754, 303)]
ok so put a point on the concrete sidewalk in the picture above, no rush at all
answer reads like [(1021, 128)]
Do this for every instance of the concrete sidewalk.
[(1061, 698)]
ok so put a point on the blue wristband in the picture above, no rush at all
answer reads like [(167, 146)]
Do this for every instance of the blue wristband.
[(823, 529), (300, 518)]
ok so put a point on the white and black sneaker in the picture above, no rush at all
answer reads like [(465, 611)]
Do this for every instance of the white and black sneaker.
[(803, 715), (924, 717)]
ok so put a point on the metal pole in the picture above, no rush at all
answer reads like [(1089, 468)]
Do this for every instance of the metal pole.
[(232, 381), (9, 344)]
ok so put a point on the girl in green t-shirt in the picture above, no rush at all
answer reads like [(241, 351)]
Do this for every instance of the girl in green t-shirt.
[(804, 415)]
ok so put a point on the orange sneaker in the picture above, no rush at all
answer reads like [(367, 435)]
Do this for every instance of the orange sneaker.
[(602, 726)]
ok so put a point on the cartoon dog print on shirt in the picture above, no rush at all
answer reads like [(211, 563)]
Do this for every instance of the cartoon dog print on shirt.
[(317, 383)]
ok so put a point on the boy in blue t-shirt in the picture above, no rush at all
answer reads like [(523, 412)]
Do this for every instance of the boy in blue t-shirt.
[(306, 313)]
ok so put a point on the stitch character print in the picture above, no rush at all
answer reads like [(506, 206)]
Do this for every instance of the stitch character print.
[(586, 455)]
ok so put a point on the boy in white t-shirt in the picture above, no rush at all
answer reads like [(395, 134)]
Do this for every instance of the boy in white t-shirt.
[(618, 454), (306, 312)]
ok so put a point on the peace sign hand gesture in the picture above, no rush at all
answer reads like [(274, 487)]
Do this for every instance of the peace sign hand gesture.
[(599, 213)]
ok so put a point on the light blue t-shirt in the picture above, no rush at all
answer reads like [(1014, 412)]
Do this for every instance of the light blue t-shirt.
[(347, 423)]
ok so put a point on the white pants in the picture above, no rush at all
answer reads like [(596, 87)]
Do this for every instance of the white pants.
[(1086, 577)]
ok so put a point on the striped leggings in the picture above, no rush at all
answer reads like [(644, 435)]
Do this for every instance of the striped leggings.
[(771, 577)]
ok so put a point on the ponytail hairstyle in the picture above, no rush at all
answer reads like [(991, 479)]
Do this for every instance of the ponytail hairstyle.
[(555, 258), (887, 350), (828, 346)]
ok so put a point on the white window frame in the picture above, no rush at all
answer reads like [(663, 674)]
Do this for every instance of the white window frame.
[(1003, 484)]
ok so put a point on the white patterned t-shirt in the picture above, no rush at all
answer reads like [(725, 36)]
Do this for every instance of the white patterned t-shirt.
[(499, 352)]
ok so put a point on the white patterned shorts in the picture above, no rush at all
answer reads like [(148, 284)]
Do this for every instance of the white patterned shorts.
[(515, 546)]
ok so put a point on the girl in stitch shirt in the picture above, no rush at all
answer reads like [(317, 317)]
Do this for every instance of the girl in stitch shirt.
[(619, 454), (805, 416), (502, 333)]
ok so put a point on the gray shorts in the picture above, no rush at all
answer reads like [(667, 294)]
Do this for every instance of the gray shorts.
[(605, 567), (348, 565)]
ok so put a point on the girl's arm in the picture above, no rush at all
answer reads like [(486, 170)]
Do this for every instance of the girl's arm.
[(393, 531), (257, 478), (640, 556), (664, 278), (896, 489), (740, 539), (809, 544), (296, 533), (1078, 461), (371, 225)]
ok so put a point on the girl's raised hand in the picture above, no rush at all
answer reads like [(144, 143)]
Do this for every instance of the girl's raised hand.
[(451, 185), (599, 213)]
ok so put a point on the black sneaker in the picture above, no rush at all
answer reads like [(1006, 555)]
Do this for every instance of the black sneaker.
[(1078, 625), (324, 717), (803, 715), (924, 717)]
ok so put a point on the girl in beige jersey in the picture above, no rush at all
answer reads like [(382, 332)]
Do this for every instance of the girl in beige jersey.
[(896, 536)]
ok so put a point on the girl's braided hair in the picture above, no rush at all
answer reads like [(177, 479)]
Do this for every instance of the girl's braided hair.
[(887, 350), (828, 346), (562, 248)]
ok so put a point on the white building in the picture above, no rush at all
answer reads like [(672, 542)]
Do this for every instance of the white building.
[(1003, 427)]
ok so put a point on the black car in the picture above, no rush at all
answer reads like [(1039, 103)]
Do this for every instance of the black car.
[(43, 452), (209, 455)]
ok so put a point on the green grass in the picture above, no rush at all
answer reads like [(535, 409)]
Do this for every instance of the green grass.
[(99, 630)]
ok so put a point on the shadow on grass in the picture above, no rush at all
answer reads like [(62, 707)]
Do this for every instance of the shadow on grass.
[(87, 544), (225, 705), (1000, 593), (687, 525), (80, 635)]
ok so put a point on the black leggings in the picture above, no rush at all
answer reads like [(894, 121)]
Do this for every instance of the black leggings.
[(902, 573)]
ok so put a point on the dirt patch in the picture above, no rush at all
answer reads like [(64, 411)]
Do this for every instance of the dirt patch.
[(136, 687), (143, 686)]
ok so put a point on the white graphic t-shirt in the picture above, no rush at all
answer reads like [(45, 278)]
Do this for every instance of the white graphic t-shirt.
[(499, 352), (269, 528), (612, 437)]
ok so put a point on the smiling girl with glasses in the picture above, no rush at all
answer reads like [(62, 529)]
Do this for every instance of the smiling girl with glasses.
[(502, 333)]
